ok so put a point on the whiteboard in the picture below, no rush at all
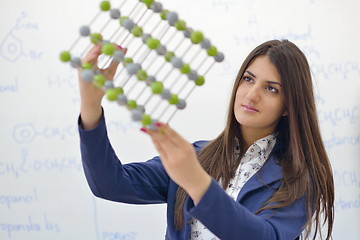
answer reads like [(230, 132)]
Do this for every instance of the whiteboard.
[(43, 191)]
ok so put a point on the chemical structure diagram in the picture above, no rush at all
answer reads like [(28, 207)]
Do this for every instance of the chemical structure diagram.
[(12, 47)]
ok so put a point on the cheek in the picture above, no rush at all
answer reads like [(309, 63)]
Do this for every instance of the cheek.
[(276, 108), (238, 96)]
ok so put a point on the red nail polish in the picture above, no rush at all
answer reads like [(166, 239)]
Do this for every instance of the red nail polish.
[(143, 129), (158, 124), (119, 46)]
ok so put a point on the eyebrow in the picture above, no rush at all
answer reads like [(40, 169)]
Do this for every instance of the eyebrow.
[(254, 76)]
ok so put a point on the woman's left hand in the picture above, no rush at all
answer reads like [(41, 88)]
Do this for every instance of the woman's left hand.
[(180, 161)]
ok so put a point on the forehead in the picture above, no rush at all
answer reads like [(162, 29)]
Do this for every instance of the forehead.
[(264, 69)]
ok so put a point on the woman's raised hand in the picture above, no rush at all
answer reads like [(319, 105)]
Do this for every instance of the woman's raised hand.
[(91, 95), (180, 161)]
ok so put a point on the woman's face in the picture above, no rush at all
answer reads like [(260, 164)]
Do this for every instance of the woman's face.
[(259, 100)]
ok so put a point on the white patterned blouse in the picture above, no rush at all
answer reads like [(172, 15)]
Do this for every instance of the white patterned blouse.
[(251, 162)]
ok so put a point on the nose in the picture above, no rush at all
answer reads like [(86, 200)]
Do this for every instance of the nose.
[(254, 93)]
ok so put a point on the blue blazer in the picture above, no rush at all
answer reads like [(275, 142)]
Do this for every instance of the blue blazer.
[(148, 183)]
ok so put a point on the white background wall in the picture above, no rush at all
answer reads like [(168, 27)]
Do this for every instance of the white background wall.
[(43, 191)]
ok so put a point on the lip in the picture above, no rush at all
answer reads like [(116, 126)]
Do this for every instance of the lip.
[(248, 108)]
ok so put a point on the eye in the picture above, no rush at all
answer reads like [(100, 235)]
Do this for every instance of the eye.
[(247, 79), (272, 89)]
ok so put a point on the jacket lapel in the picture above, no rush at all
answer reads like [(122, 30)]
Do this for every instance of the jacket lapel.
[(269, 173)]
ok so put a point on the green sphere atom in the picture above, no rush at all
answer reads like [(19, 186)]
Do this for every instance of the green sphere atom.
[(169, 56), (119, 90), (185, 69), (212, 51), (137, 31), (127, 60), (146, 120), (87, 65), (96, 38), (105, 6), (141, 75), (148, 2), (108, 49), (196, 37), (152, 43), (111, 94), (163, 14), (122, 19), (157, 87), (180, 25), (65, 56), (200, 81), (99, 80), (174, 99), (131, 104)]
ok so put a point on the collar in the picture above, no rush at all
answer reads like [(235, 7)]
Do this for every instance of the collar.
[(269, 173), (261, 147)]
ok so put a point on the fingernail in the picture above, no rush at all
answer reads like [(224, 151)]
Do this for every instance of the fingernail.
[(158, 124), (119, 46), (143, 130)]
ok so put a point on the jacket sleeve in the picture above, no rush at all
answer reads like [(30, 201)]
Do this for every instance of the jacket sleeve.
[(229, 219), (137, 183)]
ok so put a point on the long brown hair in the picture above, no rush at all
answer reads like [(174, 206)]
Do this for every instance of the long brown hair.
[(305, 165)]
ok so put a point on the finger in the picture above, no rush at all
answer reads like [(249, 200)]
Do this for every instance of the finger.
[(167, 142), (160, 137), (157, 135), (157, 141), (173, 136), (110, 71), (93, 54), (163, 154)]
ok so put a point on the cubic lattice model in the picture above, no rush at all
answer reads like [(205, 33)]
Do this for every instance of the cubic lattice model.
[(164, 62)]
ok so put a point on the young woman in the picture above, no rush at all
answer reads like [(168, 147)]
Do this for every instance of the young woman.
[(266, 176)]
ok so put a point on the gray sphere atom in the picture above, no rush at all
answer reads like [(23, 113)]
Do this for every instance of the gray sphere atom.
[(161, 50), (166, 94), (75, 62), (109, 84), (114, 13), (181, 104), (84, 31), (152, 126), (156, 7), (187, 32), (122, 99), (87, 75), (205, 43), (172, 18), (141, 108), (128, 24), (219, 57), (193, 75), (118, 56), (177, 62), (132, 68), (136, 115)]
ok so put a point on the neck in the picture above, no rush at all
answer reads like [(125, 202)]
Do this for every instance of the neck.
[(251, 135)]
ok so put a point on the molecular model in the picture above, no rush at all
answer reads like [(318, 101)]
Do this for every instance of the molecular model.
[(164, 62)]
